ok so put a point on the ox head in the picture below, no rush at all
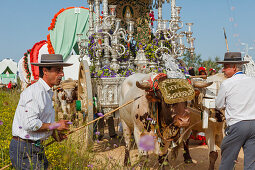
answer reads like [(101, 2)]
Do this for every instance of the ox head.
[(173, 109), (68, 90)]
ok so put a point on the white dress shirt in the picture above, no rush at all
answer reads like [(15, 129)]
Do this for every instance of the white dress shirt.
[(35, 108), (237, 96)]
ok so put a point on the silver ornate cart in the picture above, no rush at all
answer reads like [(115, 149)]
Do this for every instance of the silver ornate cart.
[(112, 36)]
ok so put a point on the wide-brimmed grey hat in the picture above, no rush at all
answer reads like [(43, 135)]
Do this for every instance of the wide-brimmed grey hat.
[(52, 60), (232, 58)]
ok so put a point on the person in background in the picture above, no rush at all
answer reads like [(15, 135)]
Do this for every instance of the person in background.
[(236, 96), (34, 117), (9, 85), (191, 71), (212, 71), (202, 71)]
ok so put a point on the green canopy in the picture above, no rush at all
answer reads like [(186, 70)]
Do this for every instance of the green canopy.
[(69, 23)]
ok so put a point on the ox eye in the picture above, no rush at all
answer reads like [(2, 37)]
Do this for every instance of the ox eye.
[(168, 105)]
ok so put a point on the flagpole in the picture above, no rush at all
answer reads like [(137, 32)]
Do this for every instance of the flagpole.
[(226, 40)]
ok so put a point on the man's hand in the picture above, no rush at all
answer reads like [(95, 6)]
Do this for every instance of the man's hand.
[(63, 125), (58, 136)]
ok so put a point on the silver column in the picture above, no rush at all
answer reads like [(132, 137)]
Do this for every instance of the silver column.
[(106, 60), (97, 10), (159, 13), (173, 12), (91, 18)]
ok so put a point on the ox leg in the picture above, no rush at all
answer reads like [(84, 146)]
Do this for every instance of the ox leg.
[(186, 154), (111, 127), (161, 160), (63, 106), (212, 157), (69, 114), (210, 139), (137, 134), (127, 137)]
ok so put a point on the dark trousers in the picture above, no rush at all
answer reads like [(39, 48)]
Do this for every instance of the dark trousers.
[(241, 134), (26, 155)]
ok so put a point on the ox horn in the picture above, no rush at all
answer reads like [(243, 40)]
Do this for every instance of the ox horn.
[(201, 84), (145, 85)]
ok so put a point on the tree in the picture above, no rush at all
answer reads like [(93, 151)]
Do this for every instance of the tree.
[(195, 61), (211, 64)]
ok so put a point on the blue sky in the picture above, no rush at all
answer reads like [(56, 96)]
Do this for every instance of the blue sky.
[(25, 22)]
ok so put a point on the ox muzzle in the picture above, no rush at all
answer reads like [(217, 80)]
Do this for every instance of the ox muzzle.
[(182, 120)]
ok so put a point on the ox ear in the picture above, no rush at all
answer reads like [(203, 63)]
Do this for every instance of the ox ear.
[(144, 85), (201, 84)]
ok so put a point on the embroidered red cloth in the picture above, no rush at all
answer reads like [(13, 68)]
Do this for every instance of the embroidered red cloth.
[(154, 82)]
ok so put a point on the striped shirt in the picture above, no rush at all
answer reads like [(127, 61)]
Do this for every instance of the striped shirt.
[(35, 108)]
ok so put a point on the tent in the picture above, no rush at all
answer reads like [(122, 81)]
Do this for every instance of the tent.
[(8, 71)]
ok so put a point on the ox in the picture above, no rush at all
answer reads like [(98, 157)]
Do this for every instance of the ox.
[(136, 117), (216, 125), (66, 96)]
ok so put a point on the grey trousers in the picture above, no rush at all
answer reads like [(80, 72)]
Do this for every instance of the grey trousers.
[(27, 156), (241, 134)]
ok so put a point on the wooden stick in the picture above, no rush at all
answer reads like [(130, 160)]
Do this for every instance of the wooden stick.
[(75, 130), (131, 101), (7, 166)]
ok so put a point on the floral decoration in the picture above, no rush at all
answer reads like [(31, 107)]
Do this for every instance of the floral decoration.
[(50, 47), (104, 72), (28, 73)]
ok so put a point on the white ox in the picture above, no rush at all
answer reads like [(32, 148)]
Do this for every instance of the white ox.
[(134, 117)]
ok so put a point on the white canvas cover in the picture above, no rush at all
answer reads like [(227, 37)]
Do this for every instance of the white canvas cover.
[(8, 63)]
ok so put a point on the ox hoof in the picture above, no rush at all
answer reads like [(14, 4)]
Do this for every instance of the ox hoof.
[(188, 161), (114, 136)]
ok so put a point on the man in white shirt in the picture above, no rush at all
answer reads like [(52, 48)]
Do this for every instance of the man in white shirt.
[(237, 97), (34, 117)]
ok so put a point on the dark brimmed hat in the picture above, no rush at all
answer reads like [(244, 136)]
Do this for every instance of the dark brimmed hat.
[(232, 58), (52, 60)]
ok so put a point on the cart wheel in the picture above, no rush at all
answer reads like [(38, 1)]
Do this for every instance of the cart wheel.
[(86, 101)]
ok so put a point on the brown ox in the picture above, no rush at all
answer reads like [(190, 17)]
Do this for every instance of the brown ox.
[(66, 96), (215, 131), (136, 117)]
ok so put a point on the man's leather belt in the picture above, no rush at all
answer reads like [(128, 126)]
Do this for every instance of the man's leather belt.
[(24, 140)]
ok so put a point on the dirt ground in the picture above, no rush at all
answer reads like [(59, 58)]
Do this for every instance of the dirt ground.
[(114, 149)]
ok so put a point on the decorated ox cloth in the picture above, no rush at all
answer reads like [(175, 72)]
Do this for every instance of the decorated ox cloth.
[(138, 117)]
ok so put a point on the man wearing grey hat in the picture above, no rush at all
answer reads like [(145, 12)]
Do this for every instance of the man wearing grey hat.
[(34, 117), (237, 97)]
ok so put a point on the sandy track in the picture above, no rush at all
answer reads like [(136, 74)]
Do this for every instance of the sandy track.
[(113, 149)]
